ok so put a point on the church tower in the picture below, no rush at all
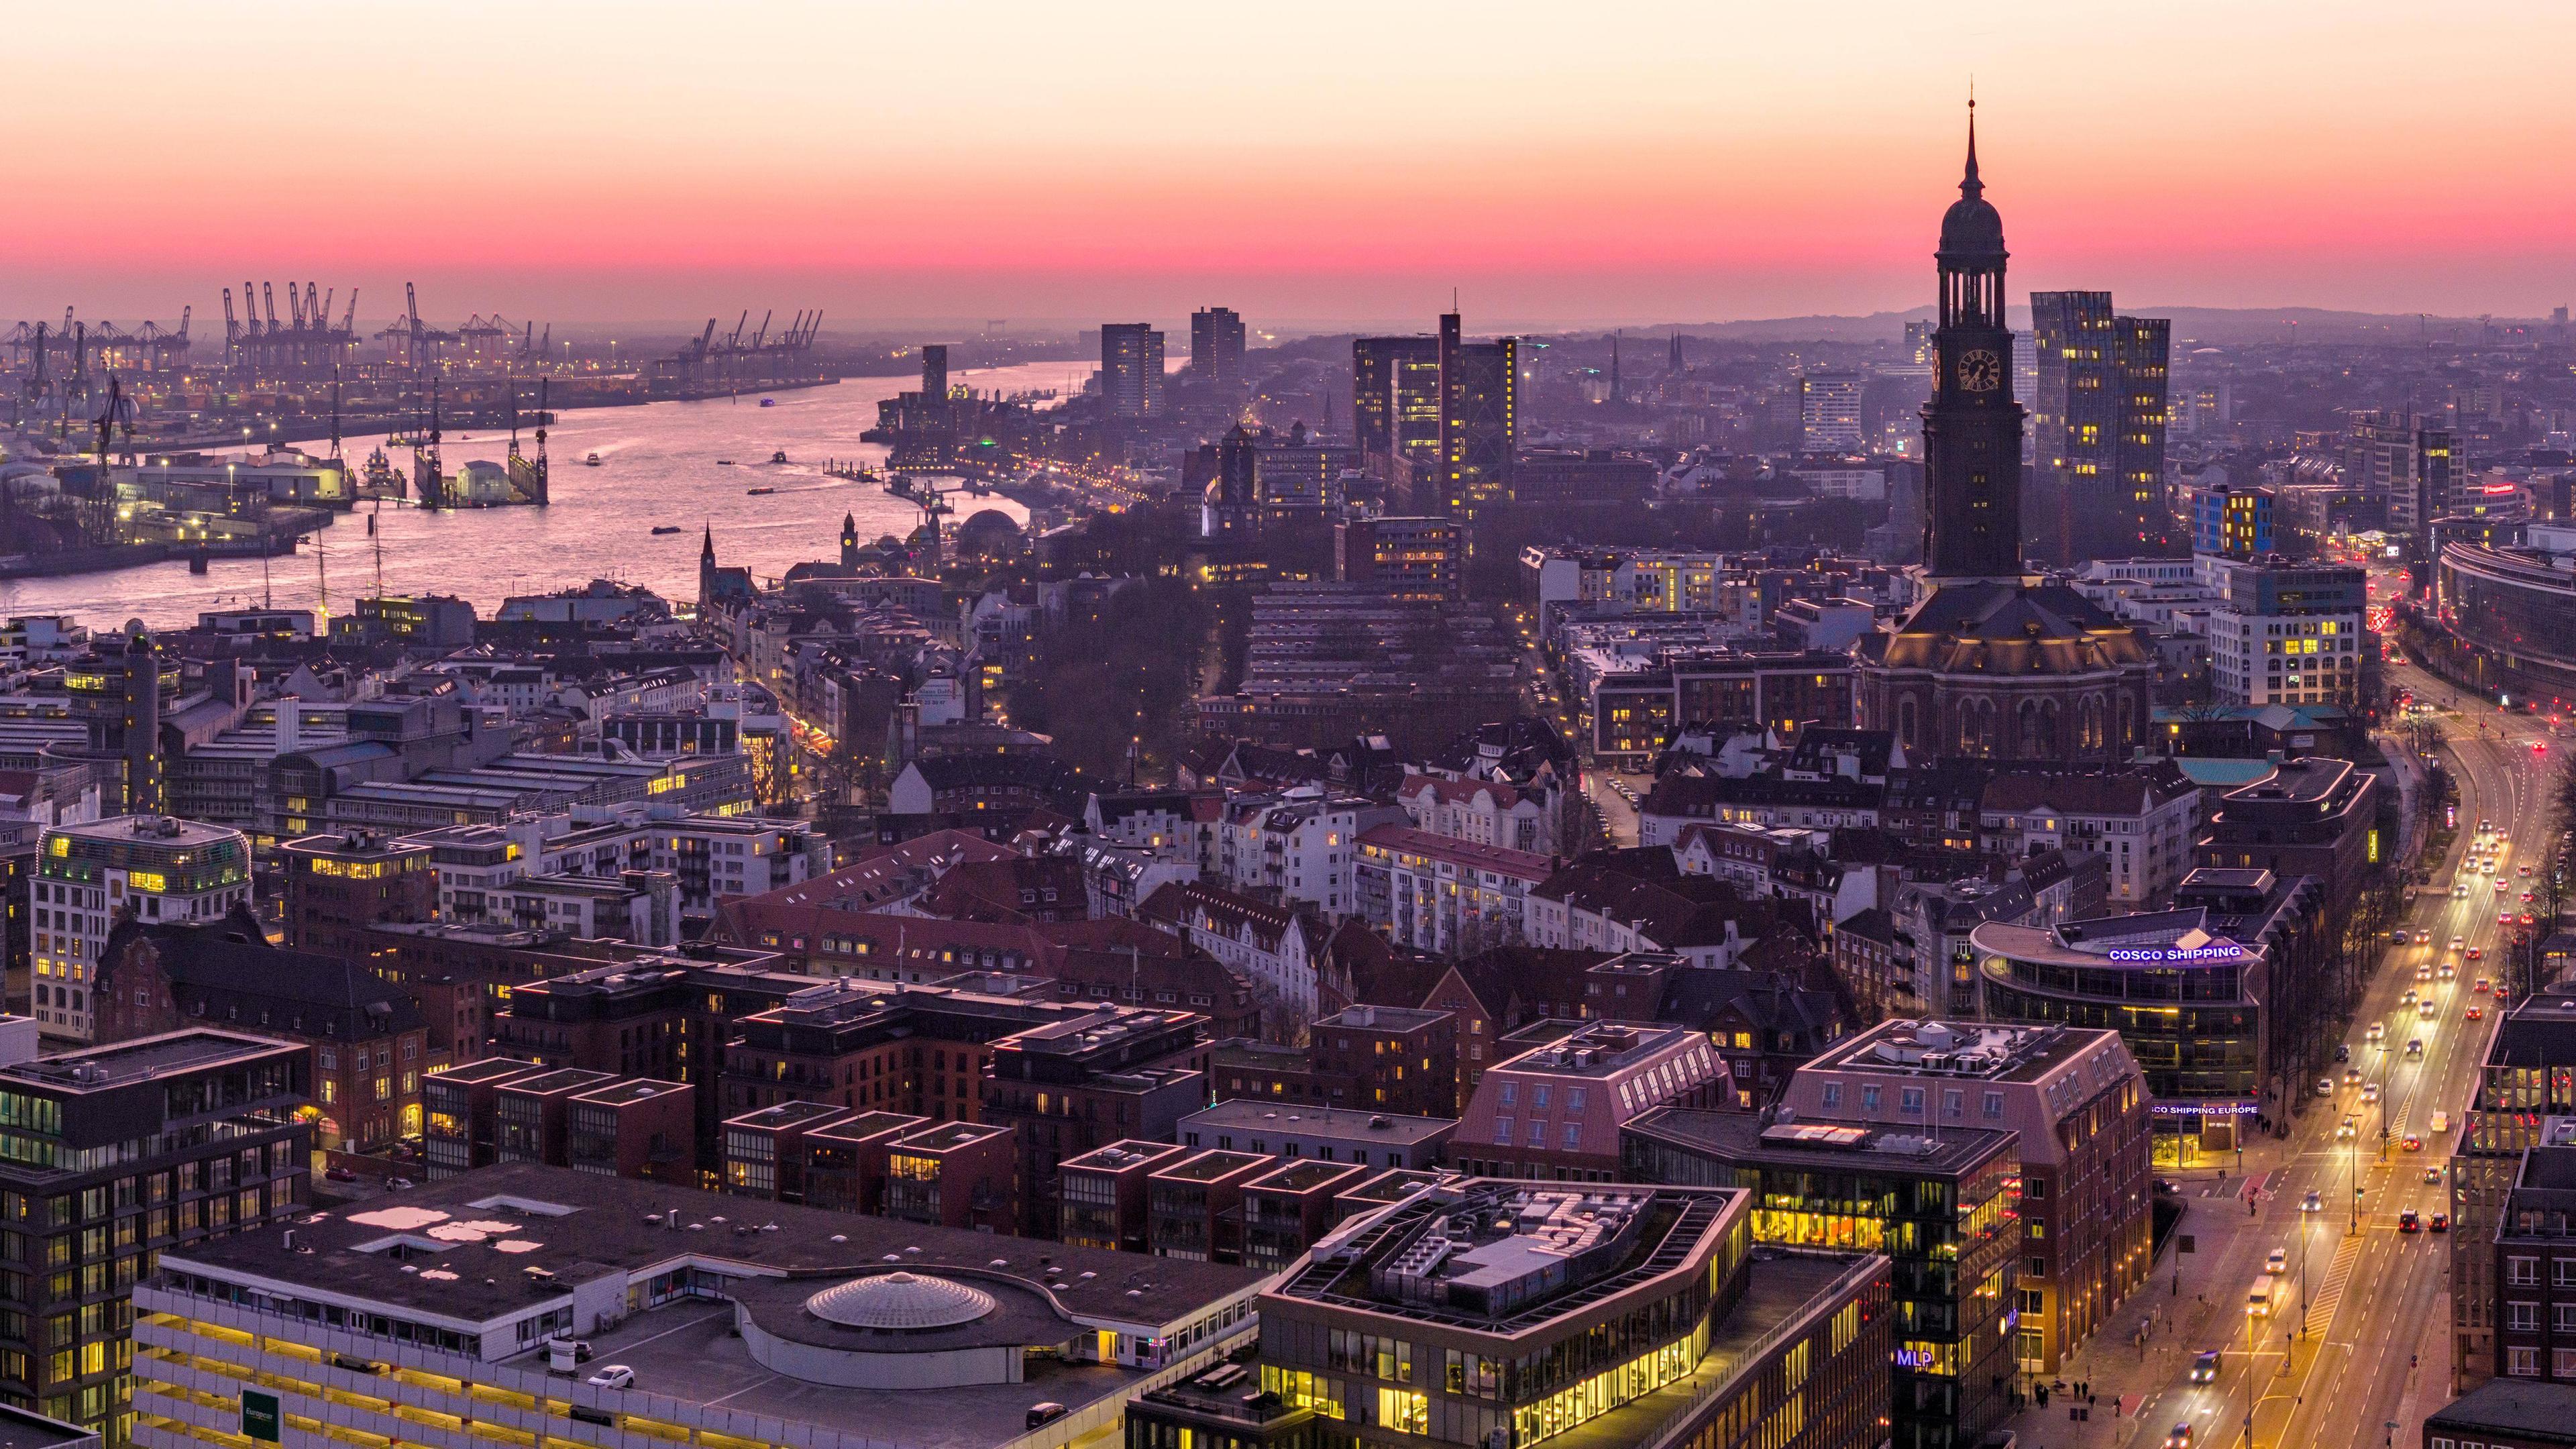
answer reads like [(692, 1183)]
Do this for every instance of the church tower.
[(707, 570), (1993, 664), (1972, 427), (849, 543)]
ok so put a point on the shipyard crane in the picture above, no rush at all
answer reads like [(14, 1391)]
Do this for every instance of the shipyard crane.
[(349, 319), (119, 412), (294, 308), (268, 304)]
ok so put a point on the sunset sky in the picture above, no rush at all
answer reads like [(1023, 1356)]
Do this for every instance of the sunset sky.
[(1308, 164)]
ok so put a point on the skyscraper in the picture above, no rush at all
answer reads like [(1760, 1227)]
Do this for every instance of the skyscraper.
[(1395, 411), (2098, 426), (1131, 369), (1216, 346), (1829, 412), (1479, 418), (934, 372)]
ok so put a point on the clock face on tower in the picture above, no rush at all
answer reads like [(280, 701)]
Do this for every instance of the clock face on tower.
[(1981, 371)]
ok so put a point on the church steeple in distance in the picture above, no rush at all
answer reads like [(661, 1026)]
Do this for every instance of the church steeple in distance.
[(1972, 427)]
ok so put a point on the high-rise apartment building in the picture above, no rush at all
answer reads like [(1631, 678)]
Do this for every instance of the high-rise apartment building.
[(2419, 470), (2098, 429), (1829, 412), (1216, 346), (164, 870), (2231, 520), (2289, 633), (1479, 419), (1395, 411), (1131, 369)]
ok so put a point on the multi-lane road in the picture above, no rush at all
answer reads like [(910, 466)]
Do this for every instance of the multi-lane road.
[(2357, 1337)]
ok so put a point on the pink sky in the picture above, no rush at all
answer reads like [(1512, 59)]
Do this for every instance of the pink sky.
[(1324, 162)]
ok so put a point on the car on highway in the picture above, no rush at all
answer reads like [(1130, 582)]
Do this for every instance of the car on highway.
[(2527, 919), (2424, 1009), (2352, 1076), (2370, 1091), (2314, 1202), (2450, 972), (2423, 973), (2204, 1369), (2476, 953), (2415, 1046), (2408, 1222), (2524, 869), (2378, 1033), (2325, 1086), (2477, 1013), (2460, 892), (2526, 898), (2412, 1143), (2343, 1051), (2441, 1223), (2180, 1438), (2407, 997), (2277, 1262), (2398, 937), (2504, 918), (2483, 986), (2346, 1132), (2458, 941), (2433, 1173)]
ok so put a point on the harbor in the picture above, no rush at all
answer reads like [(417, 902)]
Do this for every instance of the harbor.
[(658, 467)]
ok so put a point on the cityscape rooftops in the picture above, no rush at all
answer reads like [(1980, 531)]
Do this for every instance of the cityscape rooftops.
[(1598, 1049)]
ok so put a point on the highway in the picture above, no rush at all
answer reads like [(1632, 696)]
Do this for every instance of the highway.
[(2372, 1299)]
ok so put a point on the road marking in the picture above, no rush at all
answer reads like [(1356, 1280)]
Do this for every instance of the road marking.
[(2321, 1311)]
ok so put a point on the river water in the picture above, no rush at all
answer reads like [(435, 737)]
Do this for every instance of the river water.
[(658, 466)]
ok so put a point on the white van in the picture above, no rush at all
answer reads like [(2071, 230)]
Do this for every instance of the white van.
[(2441, 1123), (2258, 1303)]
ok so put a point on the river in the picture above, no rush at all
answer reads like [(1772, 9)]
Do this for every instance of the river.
[(658, 466)]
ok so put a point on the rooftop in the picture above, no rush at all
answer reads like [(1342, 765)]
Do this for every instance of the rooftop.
[(1934, 1047), (1598, 1049), (1824, 1146), (487, 1229), (1239, 1114), (1508, 1257), (190, 1049), (2536, 1411)]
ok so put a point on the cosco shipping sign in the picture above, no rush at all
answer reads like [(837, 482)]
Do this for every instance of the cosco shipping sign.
[(2178, 955)]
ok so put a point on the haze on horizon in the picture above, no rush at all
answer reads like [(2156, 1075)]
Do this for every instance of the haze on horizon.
[(596, 163)]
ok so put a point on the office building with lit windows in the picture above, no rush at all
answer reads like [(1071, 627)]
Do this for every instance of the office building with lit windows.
[(1395, 409), (112, 1156), (2232, 521), (1485, 1311), (1943, 1208), (2079, 1105), (162, 870), (2283, 633), (1479, 421), (2097, 429)]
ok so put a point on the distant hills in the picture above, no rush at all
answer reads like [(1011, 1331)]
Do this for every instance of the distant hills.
[(2209, 326)]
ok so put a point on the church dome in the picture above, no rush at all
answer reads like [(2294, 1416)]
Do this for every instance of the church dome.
[(900, 1302), (1972, 228)]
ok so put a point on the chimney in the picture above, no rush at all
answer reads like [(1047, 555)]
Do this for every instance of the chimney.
[(290, 724)]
